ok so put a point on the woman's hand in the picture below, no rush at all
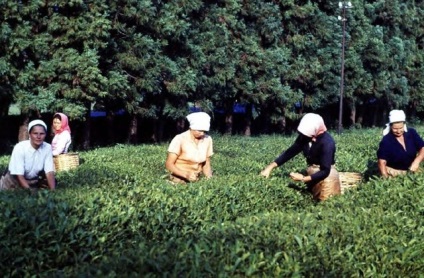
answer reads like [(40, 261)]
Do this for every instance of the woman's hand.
[(191, 176), (267, 171), (414, 166), (296, 176)]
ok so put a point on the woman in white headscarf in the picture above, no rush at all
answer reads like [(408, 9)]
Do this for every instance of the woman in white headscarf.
[(31, 164), (189, 153), (319, 148), (401, 148)]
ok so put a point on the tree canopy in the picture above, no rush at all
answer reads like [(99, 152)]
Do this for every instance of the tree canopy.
[(151, 58)]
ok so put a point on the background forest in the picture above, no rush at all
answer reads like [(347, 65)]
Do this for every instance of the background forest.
[(255, 65)]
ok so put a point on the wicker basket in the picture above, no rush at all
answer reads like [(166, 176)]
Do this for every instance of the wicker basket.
[(349, 180), (65, 162)]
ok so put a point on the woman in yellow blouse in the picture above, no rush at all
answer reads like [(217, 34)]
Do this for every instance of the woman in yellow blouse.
[(189, 152)]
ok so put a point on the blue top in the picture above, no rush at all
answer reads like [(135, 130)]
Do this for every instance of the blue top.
[(392, 151), (321, 152)]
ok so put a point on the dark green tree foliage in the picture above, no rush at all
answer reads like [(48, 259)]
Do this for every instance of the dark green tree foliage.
[(153, 57), (54, 49), (314, 62), (358, 89), (392, 52), (240, 57), (6, 57), (151, 50), (412, 27)]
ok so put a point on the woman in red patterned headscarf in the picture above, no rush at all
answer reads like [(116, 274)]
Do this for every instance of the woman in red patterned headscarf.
[(62, 137)]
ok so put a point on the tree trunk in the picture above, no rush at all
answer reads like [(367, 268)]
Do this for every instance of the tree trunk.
[(247, 127), (282, 124), (133, 130), (23, 129), (181, 125), (4, 107), (248, 121), (87, 131), (229, 123), (385, 117), (110, 117), (158, 131), (352, 114), (360, 115)]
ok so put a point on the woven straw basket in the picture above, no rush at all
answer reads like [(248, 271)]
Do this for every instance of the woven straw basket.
[(65, 162), (349, 180)]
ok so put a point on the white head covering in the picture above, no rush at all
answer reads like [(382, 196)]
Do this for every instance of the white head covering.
[(311, 125), (395, 116), (199, 121), (36, 122)]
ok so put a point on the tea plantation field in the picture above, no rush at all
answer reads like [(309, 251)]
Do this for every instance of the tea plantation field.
[(117, 216)]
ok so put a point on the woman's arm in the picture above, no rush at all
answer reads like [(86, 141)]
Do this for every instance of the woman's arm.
[(51, 181), (382, 168), (170, 166), (416, 163), (286, 155), (207, 168), (22, 181), (324, 158), (268, 169)]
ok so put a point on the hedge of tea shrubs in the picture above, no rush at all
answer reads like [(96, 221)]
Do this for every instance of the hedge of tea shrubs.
[(117, 216)]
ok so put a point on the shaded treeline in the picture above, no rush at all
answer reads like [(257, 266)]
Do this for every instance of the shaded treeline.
[(154, 59)]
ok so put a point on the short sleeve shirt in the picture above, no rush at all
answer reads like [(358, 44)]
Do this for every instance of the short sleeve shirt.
[(393, 152), (27, 161), (191, 156)]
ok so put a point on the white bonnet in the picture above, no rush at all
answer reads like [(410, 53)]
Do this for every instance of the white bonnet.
[(36, 122), (397, 116), (199, 121)]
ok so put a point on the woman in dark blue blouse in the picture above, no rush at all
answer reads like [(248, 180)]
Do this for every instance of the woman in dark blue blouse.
[(401, 148), (319, 148)]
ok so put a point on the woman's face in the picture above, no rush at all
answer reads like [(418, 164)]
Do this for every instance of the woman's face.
[(57, 124), (37, 136), (198, 134), (397, 128)]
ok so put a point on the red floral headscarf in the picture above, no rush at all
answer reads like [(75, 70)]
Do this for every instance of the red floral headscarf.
[(64, 123)]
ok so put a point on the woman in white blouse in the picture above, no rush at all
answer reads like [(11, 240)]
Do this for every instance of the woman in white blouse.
[(31, 163)]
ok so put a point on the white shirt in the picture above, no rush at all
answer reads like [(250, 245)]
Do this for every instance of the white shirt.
[(27, 161), (61, 142)]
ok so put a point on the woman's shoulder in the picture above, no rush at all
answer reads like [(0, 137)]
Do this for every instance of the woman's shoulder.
[(64, 134), (328, 137), (46, 145), (411, 129), (413, 132), (21, 146)]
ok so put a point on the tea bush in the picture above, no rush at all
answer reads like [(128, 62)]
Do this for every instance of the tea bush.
[(117, 215)]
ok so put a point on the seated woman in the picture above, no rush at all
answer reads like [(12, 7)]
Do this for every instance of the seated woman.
[(62, 137), (319, 148), (189, 152), (401, 148), (31, 163)]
